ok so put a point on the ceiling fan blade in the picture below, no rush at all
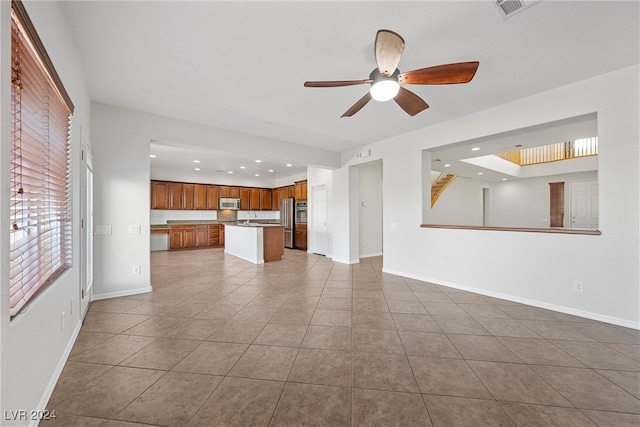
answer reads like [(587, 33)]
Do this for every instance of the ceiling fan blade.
[(358, 105), (410, 102), (337, 83), (388, 50), (460, 72)]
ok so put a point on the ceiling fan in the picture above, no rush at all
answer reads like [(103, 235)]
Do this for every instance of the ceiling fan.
[(385, 80)]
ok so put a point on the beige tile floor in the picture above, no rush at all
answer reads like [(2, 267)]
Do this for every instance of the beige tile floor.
[(306, 341)]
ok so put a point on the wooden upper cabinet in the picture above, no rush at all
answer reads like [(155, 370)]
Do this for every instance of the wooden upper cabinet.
[(245, 199), (187, 196), (291, 191), (265, 199), (175, 195), (300, 190), (224, 191), (234, 192), (199, 196), (275, 199), (213, 194), (159, 195), (254, 204)]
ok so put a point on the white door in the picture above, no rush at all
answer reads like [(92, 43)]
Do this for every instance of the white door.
[(86, 256), (584, 204), (319, 232)]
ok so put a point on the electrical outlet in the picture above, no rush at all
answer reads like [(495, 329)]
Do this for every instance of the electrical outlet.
[(578, 285), (62, 321), (134, 229), (71, 307), (136, 269), (439, 263)]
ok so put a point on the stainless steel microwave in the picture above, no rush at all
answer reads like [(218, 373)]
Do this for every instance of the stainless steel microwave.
[(225, 203)]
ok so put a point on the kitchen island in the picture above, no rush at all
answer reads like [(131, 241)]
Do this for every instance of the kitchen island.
[(255, 242)]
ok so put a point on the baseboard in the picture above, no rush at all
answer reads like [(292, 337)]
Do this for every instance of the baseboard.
[(534, 303), (371, 255), (344, 261), (126, 293), (46, 395)]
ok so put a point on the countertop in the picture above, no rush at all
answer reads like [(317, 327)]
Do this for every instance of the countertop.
[(252, 223)]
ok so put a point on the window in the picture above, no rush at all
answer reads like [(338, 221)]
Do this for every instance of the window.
[(40, 235)]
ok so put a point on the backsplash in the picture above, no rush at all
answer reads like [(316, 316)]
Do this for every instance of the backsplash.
[(161, 216), (158, 216)]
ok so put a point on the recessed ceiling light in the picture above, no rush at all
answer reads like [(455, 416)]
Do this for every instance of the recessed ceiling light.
[(197, 169), (257, 174), (258, 161), (196, 161), (230, 172), (504, 179), (242, 167), (475, 149), (153, 156), (447, 165), (270, 170), (289, 165), (480, 173)]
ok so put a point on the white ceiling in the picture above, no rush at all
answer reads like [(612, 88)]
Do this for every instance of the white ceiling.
[(241, 65)]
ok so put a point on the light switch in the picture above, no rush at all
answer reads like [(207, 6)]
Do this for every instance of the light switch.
[(103, 229)]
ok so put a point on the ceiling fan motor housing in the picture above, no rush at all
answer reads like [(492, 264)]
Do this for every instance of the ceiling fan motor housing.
[(384, 88)]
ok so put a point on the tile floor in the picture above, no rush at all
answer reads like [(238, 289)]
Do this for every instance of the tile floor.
[(306, 341)]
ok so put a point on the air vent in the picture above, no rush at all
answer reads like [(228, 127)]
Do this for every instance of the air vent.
[(508, 8), (220, 171)]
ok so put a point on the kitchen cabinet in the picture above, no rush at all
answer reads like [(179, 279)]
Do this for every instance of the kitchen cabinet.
[(245, 198), (192, 196), (159, 195), (194, 236), (187, 196), (175, 195), (213, 194), (216, 235), (254, 204), (275, 199), (199, 196), (265, 199), (202, 236), (182, 237), (301, 237), (300, 190)]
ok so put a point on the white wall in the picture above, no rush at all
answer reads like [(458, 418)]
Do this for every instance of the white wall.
[(459, 204), (525, 202), (514, 203), (535, 268), (370, 209), (35, 345)]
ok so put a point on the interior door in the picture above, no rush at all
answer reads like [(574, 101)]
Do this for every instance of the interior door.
[(86, 240), (318, 241), (584, 204)]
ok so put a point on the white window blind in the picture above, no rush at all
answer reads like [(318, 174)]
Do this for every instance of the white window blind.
[(40, 235)]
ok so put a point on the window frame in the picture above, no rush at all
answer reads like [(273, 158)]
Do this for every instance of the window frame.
[(41, 233)]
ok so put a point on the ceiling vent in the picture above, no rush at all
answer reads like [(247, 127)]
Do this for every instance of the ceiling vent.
[(508, 8)]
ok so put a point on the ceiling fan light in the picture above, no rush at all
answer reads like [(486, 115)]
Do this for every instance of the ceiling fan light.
[(384, 90)]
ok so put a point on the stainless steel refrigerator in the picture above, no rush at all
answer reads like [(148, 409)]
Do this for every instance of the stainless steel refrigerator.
[(287, 219)]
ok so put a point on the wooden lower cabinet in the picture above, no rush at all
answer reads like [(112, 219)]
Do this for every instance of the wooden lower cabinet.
[(182, 237), (195, 236), (301, 237)]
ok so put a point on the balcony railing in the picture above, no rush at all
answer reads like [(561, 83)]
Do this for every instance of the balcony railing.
[(553, 153)]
